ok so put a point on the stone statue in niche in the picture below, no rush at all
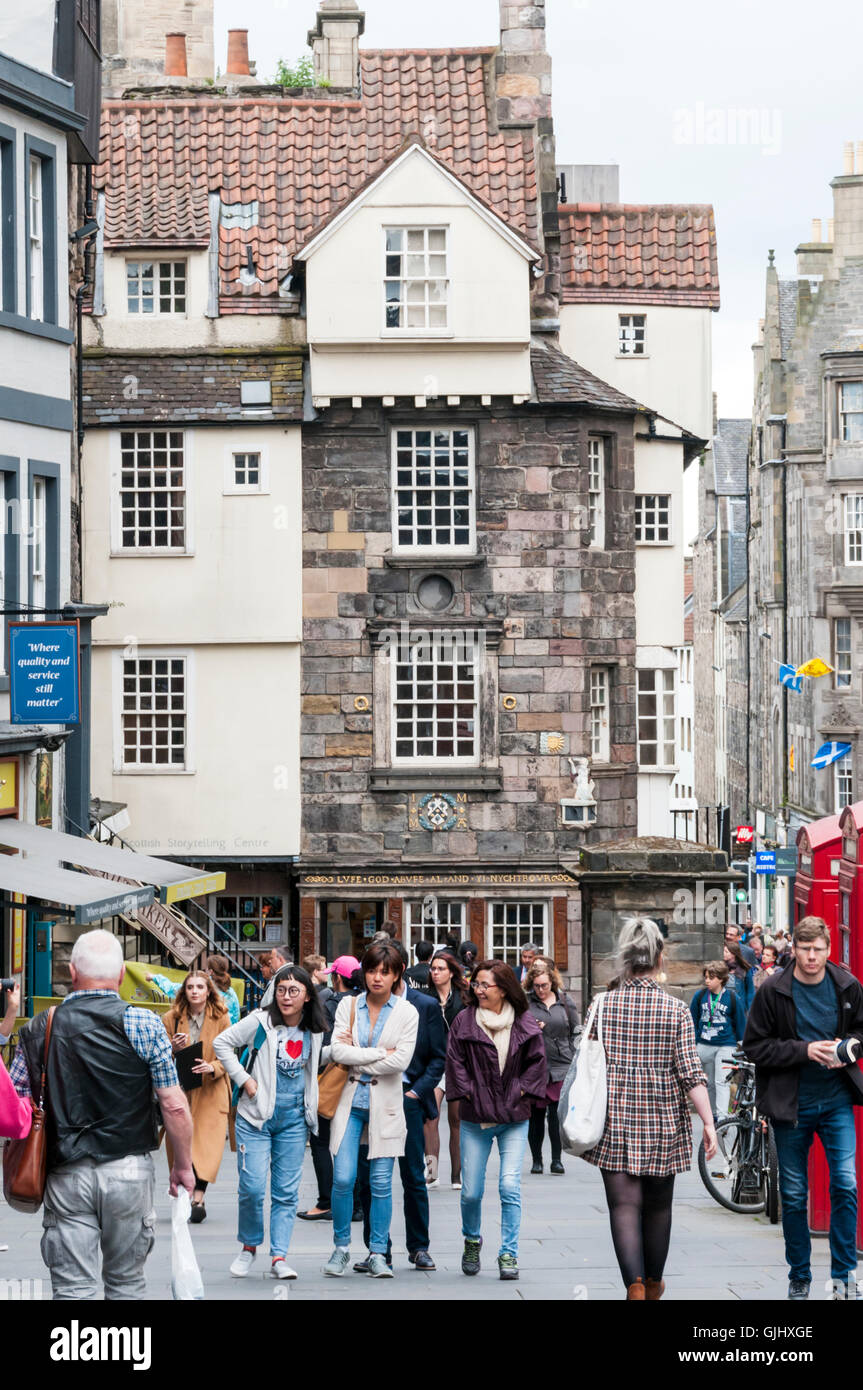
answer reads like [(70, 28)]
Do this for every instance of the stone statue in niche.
[(585, 788)]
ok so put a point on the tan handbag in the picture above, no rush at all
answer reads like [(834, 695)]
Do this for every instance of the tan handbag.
[(332, 1080), (25, 1161)]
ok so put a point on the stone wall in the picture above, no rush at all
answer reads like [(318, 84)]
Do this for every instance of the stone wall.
[(555, 606)]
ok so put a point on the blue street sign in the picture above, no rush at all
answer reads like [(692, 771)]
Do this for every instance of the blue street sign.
[(43, 673), (765, 861)]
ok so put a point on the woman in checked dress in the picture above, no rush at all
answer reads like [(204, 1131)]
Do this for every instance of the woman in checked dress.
[(652, 1065)]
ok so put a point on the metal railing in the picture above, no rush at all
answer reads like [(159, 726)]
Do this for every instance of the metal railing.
[(704, 825)]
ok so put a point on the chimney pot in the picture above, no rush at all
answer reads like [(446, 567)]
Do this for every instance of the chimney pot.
[(848, 157), (816, 229), (238, 52), (175, 55)]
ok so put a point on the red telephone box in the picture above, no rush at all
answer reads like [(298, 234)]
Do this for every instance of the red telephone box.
[(816, 890), (842, 910)]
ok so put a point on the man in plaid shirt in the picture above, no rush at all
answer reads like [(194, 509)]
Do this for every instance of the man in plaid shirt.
[(104, 1062)]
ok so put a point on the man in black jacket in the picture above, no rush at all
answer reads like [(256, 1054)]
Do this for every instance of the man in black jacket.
[(423, 1074), (804, 1033)]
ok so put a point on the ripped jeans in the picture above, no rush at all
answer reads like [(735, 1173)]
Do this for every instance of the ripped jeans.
[(277, 1149)]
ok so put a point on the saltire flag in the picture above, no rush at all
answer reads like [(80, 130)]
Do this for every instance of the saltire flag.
[(830, 753), (815, 667), (788, 676)]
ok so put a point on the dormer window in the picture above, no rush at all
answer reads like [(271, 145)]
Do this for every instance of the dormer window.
[(851, 412), (156, 287), (416, 283)]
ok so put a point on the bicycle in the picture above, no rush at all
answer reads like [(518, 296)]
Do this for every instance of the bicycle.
[(743, 1175)]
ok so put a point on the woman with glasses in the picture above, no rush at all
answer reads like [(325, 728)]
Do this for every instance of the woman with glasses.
[(446, 984), (558, 1018), (496, 1069), (278, 1105)]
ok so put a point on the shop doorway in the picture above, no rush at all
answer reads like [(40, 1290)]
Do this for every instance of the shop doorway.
[(347, 928)]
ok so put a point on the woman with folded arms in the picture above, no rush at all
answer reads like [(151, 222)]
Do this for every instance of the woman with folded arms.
[(374, 1036)]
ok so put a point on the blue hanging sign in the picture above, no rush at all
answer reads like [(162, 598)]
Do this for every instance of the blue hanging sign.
[(44, 676), (765, 862)]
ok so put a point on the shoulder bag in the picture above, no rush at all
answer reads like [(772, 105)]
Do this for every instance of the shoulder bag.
[(247, 1061), (25, 1161), (583, 1120), (333, 1078)]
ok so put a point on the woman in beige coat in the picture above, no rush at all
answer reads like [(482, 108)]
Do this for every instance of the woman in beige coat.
[(374, 1036), (198, 1014)]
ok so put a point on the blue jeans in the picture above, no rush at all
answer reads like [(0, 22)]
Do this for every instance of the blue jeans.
[(381, 1183), (476, 1145), (413, 1174), (277, 1148), (835, 1129)]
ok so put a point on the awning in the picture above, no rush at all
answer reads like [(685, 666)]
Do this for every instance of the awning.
[(90, 897), (50, 848)]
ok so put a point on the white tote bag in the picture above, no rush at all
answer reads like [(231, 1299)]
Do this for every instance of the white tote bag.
[(186, 1281), (584, 1124)]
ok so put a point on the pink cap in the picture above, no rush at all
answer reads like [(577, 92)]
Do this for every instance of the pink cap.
[(345, 966)]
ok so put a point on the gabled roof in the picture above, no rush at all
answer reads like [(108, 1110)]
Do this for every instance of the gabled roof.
[(413, 149), (616, 253), (559, 380), (730, 449), (302, 159)]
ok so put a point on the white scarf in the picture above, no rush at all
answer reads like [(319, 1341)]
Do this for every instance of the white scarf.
[(498, 1027)]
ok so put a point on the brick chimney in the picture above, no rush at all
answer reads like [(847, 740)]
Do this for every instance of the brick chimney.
[(238, 53), (848, 208), (335, 43), (523, 99), (175, 55)]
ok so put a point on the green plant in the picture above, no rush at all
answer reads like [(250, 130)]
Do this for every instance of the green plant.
[(302, 75)]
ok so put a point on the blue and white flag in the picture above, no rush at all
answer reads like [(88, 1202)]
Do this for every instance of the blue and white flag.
[(830, 753), (788, 677)]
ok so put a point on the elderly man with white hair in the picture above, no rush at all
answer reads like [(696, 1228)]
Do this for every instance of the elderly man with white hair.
[(105, 1061)]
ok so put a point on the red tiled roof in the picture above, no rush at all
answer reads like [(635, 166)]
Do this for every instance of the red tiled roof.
[(302, 159), (616, 253)]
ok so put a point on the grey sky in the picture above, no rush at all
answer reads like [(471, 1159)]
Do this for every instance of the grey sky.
[(634, 82)]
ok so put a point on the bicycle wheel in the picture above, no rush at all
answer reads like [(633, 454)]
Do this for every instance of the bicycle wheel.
[(774, 1208), (733, 1175)]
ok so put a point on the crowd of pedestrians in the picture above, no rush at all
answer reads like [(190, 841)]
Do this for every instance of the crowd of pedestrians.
[(389, 1043)]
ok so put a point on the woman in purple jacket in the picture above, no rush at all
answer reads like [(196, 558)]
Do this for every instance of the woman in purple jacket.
[(496, 1068)]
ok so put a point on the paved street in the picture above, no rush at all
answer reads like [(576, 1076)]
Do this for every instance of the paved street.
[(566, 1249)]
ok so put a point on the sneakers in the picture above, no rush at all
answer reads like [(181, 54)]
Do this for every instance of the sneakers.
[(846, 1290), (280, 1269), (243, 1263), (470, 1258), (798, 1290), (508, 1266), (338, 1262), (456, 1184), (378, 1267)]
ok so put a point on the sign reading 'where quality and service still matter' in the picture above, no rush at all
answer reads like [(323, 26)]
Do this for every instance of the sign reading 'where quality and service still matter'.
[(44, 673)]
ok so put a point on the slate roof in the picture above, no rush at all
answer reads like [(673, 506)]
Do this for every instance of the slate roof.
[(184, 386), (655, 254), (730, 446), (559, 380), (787, 313), (302, 158)]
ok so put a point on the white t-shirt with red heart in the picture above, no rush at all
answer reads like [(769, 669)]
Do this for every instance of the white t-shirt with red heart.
[(289, 1054)]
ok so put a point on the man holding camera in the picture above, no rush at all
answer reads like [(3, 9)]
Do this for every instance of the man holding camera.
[(804, 1034)]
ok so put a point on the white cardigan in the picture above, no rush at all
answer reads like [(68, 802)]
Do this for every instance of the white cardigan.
[(387, 1126)]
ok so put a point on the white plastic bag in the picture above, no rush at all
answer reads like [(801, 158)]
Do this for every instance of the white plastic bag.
[(587, 1110), (186, 1281)]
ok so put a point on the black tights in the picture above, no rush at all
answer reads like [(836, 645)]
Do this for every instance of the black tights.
[(640, 1212), (536, 1131)]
